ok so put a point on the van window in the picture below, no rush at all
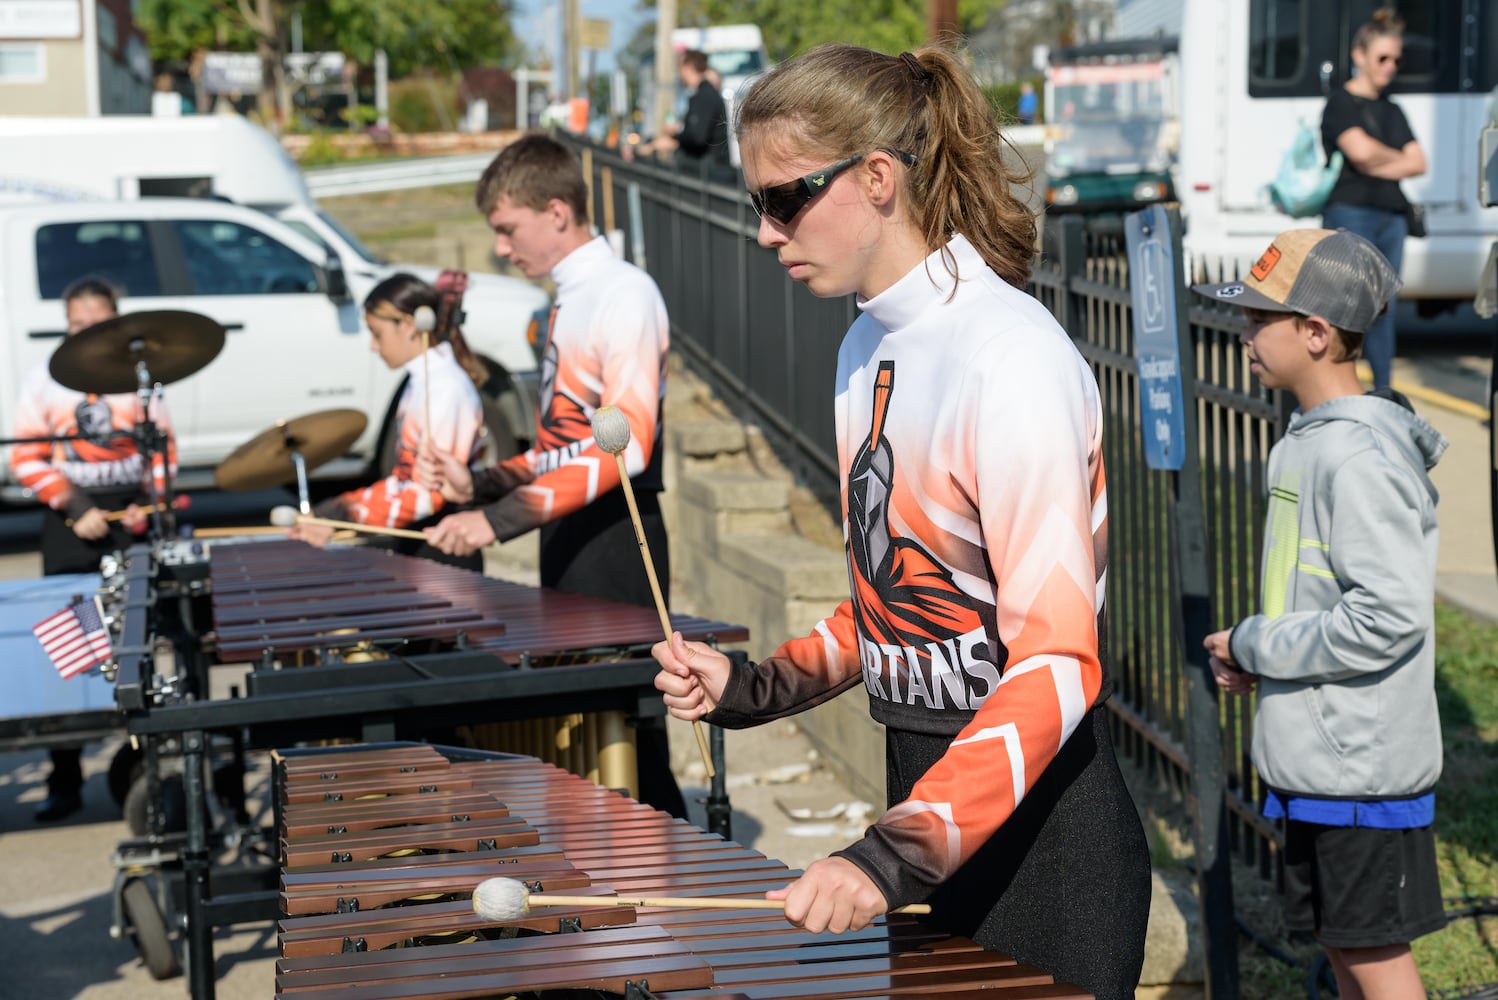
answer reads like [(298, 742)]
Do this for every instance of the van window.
[(1276, 44), (1445, 45), (117, 251), (226, 258)]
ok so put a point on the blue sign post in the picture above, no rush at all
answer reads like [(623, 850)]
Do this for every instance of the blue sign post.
[(1157, 351), (1167, 404)]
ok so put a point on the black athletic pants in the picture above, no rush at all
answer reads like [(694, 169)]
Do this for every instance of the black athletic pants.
[(1064, 885)]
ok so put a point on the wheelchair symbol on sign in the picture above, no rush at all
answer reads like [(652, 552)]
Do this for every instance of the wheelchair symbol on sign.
[(1152, 271)]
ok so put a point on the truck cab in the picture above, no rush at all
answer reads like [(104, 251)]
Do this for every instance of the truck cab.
[(1112, 123)]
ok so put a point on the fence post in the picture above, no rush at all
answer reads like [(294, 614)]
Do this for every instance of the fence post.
[(1071, 254), (1203, 721)]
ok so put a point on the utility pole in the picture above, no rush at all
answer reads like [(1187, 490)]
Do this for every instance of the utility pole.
[(570, 44), (941, 20), (665, 66)]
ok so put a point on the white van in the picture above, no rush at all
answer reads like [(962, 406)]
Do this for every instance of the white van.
[(125, 157), (1258, 68)]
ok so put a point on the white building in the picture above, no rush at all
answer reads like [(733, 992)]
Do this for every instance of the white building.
[(72, 57)]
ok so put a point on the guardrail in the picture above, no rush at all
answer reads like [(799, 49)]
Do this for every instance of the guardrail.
[(395, 175)]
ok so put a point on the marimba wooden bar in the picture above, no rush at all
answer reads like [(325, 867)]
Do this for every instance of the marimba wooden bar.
[(289, 598), (395, 920)]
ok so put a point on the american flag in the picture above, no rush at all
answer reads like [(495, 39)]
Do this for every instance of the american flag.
[(75, 638)]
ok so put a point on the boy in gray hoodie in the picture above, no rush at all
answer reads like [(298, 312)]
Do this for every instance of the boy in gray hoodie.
[(1346, 734)]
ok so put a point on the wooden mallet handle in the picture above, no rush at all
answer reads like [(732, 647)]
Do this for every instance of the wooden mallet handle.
[(611, 432), (367, 529), (289, 517), (180, 503), (684, 902)]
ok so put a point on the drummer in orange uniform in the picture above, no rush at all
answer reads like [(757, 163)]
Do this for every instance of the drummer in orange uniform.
[(442, 383), (81, 481)]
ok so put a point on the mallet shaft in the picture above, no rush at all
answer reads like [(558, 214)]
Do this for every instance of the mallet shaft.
[(683, 902), (368, 529), (660, 601)]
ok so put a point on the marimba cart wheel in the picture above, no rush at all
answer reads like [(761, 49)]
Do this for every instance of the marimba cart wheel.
[(172, 805), (147, 928)]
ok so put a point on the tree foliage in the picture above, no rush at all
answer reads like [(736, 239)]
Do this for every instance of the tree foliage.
[(444, 35), (792, 26), (415, 34)]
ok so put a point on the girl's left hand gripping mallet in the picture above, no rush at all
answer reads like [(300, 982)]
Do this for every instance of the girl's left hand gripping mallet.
[(611, 431)]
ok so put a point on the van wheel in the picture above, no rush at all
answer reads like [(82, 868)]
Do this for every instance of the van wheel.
[(147, 929)]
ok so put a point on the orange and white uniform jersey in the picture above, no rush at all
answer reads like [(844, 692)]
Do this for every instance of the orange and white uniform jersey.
[(457, 429), (970, 446), (606, 347), (60, 473)]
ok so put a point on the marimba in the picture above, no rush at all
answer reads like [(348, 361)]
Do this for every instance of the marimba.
[(367, 644), (330, 624), (382, 848)]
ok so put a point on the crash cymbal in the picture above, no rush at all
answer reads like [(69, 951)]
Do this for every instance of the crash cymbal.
[(265, 460), (172, 342)]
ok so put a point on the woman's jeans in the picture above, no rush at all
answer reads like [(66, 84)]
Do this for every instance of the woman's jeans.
[(1385, 230)]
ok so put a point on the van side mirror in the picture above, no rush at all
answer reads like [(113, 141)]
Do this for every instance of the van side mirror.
[(335, 282)]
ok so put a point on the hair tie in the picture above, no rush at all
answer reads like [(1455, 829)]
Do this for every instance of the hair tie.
[(920, 72)]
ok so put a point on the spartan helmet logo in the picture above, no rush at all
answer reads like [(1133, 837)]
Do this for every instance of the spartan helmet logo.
[(902, 594), (94, 420), (869, 484)]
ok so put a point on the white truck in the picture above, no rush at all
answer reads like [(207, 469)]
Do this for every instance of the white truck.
[(251, 249)]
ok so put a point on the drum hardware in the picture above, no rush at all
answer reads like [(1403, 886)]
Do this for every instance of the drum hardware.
[(140, 352), (289, 450)]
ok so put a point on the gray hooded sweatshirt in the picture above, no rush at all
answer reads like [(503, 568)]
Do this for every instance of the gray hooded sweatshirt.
[(1345, 646)]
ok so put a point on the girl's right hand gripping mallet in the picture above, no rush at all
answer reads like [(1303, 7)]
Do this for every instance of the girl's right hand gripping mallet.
[(611, 431)]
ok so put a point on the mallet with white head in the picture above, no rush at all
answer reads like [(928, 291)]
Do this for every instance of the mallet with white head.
[(611, 431), (501, 899)]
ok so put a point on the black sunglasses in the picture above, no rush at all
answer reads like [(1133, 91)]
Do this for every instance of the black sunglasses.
[(783, 202)]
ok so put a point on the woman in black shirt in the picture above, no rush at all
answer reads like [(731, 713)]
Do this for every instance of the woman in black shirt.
[(1379, 151)]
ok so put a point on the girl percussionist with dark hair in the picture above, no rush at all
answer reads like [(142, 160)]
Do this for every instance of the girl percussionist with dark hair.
[(442, 386)]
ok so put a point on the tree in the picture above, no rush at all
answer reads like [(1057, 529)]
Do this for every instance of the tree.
[(790, 26), (450, 35)]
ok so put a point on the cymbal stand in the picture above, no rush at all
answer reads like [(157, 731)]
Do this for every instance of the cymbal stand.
[(303, 500), (150, 441)]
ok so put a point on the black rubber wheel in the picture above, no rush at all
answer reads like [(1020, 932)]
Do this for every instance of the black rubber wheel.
[(123, 770), (147, 929), (173, 806)]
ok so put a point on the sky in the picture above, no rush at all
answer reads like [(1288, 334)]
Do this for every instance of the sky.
[(537, 23)]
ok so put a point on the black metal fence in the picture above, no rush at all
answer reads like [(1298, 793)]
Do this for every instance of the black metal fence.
[(769, 347)]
